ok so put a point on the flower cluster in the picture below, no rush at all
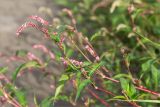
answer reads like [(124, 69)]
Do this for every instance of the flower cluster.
[(32, 57), (39, 19), (31, 24), (74, 62), (92, 52)]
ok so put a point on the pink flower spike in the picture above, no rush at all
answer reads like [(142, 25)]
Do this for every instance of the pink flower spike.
[(97, 58), (39, 19), (64, 61), (24, 26), (42, 47), (51, 55), (92, 52), (32, 57), (45, 31), (14, 58), (74, 62), (77, 63)]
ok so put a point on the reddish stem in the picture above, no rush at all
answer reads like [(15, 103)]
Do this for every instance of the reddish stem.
[(105, 91), (98, 98), (149, 91)]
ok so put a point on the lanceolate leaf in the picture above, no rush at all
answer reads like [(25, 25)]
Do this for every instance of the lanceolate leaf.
[(95, 67), (148, 40), (155, 75), (62, 81), (119, 97), (24, 66), (132, 90), (46, 102), (124, 84), (97, 34), (81, 86), (147, 65), (58, 90)]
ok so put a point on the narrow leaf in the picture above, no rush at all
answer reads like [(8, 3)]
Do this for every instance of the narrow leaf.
[(22, 67), (81, 87), (124, 84), (62, 81)]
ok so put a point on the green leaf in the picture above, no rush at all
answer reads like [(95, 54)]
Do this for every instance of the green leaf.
[(64, 78), (62, 81), (147, 65), (21, 96), (132, 91), (148, 40), (47, 102), (63, 98), (155, 74), (24, 66), (122, 75), (95, 67), (87, 3), (81, 86), (119, 97), (97, 34), (86, 63), (58, 90), (69, 52), (3, 69), (55, 37), (124, 84)]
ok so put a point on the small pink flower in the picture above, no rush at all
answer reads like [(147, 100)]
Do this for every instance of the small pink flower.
[(30, 24), (55, 33), (67, 11), (74, 62), (60, 43), (92, 52), (39, 19), (78, 63), (45, 31), (64, 61), (51, 55), (32, 57), (42, 47), (97, 58), (52, 86), (14, 58), (24, 26)]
